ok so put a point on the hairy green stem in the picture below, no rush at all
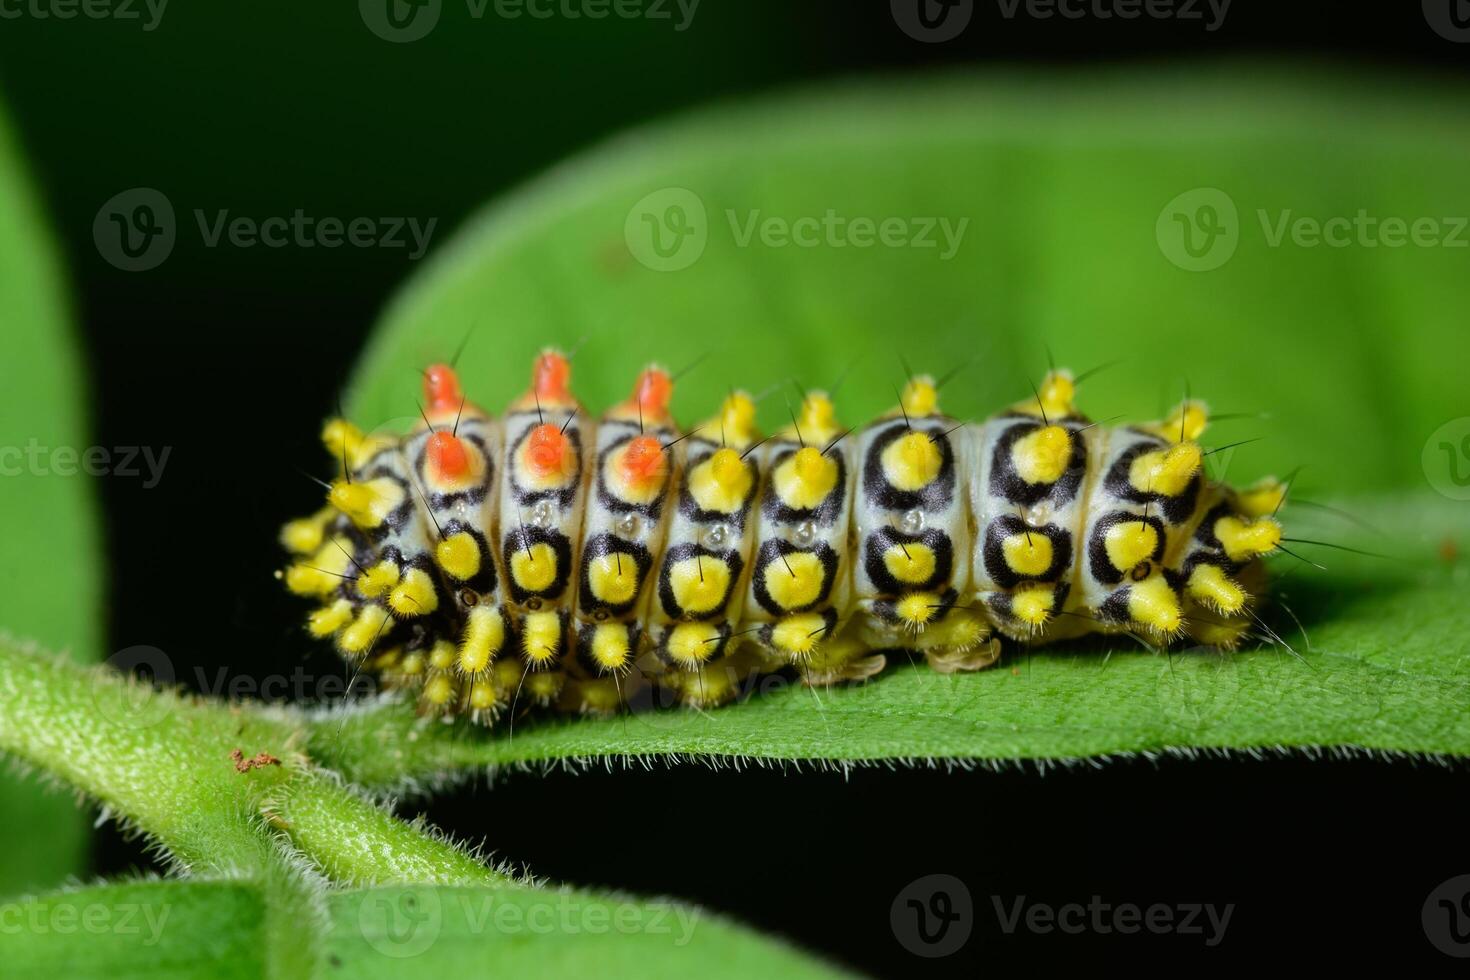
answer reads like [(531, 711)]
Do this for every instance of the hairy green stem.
[(355, 841), (212, 784)]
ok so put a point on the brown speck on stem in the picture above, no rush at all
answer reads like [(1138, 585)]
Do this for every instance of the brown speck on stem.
[(259, 760)]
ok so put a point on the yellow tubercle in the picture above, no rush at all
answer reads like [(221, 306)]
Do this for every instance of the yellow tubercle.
[(1245, 539), (534, 568), (691, 644), (805, 478), (376, 580), (1154, 605), (441, 655), (1212, 588), (700, 583), (721, 483), (1042, 456), (610, 649), (544, 685), (795, 581), (439, 690), (911, 461), (600, 696), (920, 397), (1166, 471), (323, 622), (1054, 397), (367, 504), (371, 622), (912, 564), (483, 695), (1185, 423), (305, 535), (798, 636), (415, 595), (734, 423), (541, 638), (459, 556), (917, 608), (1262, 498), (1225, 634), (343, 440), (613, 578), (322, 572), (1034, 604), (962, 629), (484, 635), (1129, 543), (816, 420), (1027, 553)]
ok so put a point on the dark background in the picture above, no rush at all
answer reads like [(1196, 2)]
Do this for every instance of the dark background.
[(231, 355)]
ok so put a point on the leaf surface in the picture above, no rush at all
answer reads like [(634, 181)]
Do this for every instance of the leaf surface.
[(51, 557)]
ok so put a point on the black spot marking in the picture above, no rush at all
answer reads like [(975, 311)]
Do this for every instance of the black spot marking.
[(1007, 483), (993, 551), (880, 541), (681, 552), (772, 552), (933, 496), (1097, 550)]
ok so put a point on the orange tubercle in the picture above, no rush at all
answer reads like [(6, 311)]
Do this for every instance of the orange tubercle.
[(650, 399), (441, 389), (643, 461), (551, 377), (447, 456), (547, 449)]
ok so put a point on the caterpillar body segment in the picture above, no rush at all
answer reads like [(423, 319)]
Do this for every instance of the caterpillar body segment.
[(704, 572), (552, 559), (912, 575)]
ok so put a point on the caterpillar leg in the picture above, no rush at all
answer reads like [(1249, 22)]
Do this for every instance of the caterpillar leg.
[(844, 658), (716, 682)]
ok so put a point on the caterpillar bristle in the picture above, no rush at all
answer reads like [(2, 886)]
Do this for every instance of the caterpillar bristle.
[(544, 559)]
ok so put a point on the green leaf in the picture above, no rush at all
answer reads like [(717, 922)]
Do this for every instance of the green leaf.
[(178, 930), (1062, 181), (1066, 185), (50, 556), (1379, 662)]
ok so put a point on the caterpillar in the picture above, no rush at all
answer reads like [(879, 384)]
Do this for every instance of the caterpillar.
[(564, 560)]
